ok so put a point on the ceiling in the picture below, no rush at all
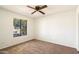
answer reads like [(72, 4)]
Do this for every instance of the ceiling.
[(51, 9)]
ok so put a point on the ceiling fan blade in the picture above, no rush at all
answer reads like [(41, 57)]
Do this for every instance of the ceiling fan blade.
[(33, 12), (30, 7), (41, 12), (43, 7)]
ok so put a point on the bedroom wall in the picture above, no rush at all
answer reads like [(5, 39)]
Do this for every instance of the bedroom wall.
[(6, 29), (77, 27), (59, 28)]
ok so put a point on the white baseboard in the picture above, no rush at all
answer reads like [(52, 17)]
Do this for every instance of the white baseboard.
[(57, 43)]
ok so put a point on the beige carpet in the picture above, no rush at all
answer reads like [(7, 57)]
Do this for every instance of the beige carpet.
[(39, 47)]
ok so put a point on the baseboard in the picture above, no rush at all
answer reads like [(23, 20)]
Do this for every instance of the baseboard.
[(16, 44), (58, 44)]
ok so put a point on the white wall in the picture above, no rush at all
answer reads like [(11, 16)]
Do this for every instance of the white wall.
[(59, 28), (6, 29), (77, 27)]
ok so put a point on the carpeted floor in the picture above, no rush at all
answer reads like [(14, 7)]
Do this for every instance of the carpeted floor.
[(39, 47)]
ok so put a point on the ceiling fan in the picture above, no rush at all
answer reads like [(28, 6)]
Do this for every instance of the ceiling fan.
[(38, 8)]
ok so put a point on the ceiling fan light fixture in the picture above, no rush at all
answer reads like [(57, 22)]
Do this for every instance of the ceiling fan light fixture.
[(38, 8)]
